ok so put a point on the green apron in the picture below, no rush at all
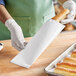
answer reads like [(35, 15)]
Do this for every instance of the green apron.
[(75, 1), (29, 14)]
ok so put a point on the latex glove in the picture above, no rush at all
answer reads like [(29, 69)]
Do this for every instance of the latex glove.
[(71, 5), (17, 37)]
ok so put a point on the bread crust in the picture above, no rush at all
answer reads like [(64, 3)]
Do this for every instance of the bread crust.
[(69, 60), (73, 54), (65, 69), (67, 65)]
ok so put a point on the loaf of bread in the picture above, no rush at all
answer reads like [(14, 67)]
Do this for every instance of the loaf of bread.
[(69, 27), (61, 15), (73, 54), (65, 71), (69, 60), (67, 65)]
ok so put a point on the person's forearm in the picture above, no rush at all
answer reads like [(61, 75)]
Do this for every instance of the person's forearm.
[(61, 1), (4, 15)]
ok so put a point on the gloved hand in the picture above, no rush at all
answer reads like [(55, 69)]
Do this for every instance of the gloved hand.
[(17, 37), (71, 5)]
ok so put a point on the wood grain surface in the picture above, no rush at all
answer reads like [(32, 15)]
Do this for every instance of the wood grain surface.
[(59, 45)]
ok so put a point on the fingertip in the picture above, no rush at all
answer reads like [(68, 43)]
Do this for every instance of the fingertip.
[(20, 44), (16, 47), (25, 43)]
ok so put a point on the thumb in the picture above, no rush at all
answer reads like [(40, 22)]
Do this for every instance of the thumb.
[(65, 21), (68, 21)]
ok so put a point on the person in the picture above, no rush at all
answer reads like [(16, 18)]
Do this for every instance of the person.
[(26, 17)]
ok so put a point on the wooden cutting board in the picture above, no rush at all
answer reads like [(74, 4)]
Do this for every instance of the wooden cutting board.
[(59, 45)]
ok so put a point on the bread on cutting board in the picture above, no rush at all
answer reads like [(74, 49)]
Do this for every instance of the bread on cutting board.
[(69, 27)]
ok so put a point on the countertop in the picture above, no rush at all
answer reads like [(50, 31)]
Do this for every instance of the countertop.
[(58, 46)]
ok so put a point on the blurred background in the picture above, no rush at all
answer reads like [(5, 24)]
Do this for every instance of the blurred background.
[(58, 8)]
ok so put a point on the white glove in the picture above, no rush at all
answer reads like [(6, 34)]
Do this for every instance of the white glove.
[(17, 37), (71, 5)]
